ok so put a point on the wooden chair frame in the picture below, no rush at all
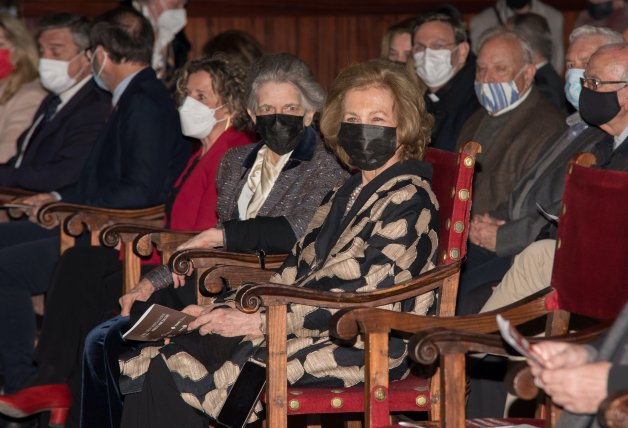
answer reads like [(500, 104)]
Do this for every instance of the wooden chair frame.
[(449, 347)]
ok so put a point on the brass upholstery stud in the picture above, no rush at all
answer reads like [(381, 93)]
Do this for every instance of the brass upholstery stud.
[(294, 405), (337, 391), (380, 394), (421, 400), (336, 402), (469, 161), (454, 253), (459, 226), (558, 244), (448, 223), (453, 192), (444, 256), (296, 392), (463, 194), (564, 209)]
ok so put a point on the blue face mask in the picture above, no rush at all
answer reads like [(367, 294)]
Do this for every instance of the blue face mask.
[(573, 87), (495, 97), (96, 74)]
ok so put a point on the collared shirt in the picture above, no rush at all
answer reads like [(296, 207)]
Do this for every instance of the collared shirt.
[(620, 138), (117, 93), (67, 95)]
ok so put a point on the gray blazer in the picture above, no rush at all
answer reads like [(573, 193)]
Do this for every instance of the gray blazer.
[(544, 183), (310, 173)]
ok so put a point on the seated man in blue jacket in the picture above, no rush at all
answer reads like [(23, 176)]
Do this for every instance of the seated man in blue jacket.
[(134, 162)]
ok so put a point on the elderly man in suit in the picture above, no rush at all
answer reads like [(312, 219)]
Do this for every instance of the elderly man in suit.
[(513, 128), (133, 164), (515, 223), (53, 150)]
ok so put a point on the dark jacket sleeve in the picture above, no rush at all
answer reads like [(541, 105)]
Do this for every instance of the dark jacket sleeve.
[(271, 234)]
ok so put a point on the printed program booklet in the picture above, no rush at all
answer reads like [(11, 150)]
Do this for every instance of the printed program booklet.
[(159, 322)]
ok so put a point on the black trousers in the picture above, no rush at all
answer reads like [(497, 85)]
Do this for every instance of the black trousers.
[(28, 254), (84, 292)]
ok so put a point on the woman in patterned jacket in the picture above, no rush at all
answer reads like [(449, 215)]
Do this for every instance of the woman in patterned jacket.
[(376, 230)]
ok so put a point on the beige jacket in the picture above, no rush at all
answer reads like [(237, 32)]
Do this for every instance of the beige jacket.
[(16, 116)]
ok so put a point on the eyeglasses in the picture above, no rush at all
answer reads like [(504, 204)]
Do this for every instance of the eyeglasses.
[(594, 84), (420, 47)]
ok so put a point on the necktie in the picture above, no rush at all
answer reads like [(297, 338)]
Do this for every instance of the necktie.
[(50, 108)]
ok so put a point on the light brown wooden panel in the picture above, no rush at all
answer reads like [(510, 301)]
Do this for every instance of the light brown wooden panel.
[(327, 34)]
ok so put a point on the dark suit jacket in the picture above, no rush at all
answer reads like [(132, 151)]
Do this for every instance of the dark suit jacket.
[(310, 173), (140, 152), (514, 148), (544, 184), (549, 83), (56, 154), (456, 102)]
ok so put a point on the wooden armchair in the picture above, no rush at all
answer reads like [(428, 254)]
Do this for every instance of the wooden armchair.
[(613, 411), (453, 174), (585, 283)]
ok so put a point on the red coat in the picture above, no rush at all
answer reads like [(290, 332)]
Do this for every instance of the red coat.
[(195, 204)]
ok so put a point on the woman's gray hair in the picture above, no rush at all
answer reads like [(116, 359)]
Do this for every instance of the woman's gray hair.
[(590, 31), (285, 68), (501, 32)]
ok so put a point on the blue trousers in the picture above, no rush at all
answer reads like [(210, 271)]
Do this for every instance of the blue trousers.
[(101, 402)]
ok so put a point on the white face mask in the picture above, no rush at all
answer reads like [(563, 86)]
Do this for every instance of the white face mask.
[(434, 66), (54, 74), (197, 120), (170, 22)]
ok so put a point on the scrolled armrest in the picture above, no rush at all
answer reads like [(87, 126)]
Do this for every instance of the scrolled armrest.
[(181, 261), (251, 296), (75, 215), (347, 324), (214, 279)]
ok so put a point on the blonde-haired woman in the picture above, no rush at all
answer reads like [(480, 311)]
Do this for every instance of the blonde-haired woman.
[(20, 91)]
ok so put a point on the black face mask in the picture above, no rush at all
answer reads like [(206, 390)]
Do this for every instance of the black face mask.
[(517, 4), (368, 146), (600, 10), (598, 108), (281, 132)]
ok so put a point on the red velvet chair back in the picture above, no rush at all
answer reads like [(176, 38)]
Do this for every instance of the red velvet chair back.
[(451, 182), (590, 270)]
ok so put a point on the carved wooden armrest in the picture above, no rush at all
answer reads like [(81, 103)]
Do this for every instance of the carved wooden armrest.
[(76, 216), (214, 279), (252, 296), (10, 193), (347, 324), (181, 261), (143, 236), (613, 412), (425, 347)]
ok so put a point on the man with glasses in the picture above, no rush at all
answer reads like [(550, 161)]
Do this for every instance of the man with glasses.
[(53, 150), (442, 60), (517, 222), (603, 103)]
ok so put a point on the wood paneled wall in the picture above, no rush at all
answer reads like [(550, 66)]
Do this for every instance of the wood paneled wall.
[(327, 34)]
